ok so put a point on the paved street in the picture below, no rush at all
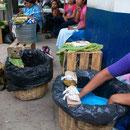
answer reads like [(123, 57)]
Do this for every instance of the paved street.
[(38, 114)]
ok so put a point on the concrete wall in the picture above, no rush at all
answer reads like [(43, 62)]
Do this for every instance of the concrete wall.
[(12, 8), (4, 15), (122, 6), (111, 5)]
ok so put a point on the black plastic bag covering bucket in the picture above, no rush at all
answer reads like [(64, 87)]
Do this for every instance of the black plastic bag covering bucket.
[(38, 70), (93, 114)]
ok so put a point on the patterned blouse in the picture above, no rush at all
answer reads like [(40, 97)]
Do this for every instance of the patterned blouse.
[(35, 12)]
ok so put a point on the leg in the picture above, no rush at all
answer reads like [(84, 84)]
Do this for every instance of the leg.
[(64, 25), (57, 22), (49, 23), (63, 36)]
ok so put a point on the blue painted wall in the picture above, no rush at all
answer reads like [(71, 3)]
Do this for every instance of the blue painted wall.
[(110, 29)]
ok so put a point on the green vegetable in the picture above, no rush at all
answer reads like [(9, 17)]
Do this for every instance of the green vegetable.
[(16, 62), (69, 48)]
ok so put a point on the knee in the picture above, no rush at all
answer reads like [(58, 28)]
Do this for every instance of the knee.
[(55, 18), (62, 31)]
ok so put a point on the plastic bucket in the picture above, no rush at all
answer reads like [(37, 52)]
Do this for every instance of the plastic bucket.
[(26, 34)]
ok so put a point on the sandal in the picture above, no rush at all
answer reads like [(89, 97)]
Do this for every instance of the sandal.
[(48, 36)]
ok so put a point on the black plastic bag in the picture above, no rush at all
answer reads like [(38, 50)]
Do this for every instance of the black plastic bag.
[(38, 70), (9, 38), (93, 114)]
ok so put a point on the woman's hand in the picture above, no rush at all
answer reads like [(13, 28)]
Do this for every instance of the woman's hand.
[(78, 8), (32, 18), (111, 100), (65, 19), (19, 13), (71, 28), (122, 98)]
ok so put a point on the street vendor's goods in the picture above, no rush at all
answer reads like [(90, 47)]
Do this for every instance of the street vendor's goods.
[(70, 78), (92, 114), (72, 95), (16, 60), (38, 70), (20, 20)]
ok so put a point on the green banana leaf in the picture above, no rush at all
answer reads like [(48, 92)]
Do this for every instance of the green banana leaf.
[(69, 48), (16, 62)]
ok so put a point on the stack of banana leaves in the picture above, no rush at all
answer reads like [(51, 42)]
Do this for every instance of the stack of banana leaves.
[(3, 81), (70, 48), (16, 60)]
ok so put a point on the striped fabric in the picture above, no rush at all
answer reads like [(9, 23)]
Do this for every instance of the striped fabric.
[(35, 12)]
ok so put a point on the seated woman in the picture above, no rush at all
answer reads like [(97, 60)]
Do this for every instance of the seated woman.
[(48, 18), (64, 21), (32, 11), (67, 32)]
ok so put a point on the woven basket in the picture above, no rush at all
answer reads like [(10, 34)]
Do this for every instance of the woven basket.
[(31, 94), (68, 123)]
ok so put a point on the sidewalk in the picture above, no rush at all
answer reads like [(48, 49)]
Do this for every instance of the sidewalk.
[(38, 114)]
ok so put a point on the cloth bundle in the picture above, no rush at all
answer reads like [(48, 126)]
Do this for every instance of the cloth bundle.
[(70, 78), (72, 95)]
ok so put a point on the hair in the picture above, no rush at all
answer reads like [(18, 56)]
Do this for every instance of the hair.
[(31, 1), (85, 2), (74, 1), (38, 0), (55, 1)]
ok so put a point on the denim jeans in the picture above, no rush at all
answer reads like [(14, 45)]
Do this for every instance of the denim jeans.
[(60, 23)]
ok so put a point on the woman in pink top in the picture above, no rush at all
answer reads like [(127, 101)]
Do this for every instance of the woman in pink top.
[(66, 20), (80, 16), (69, 10), (81, 9)]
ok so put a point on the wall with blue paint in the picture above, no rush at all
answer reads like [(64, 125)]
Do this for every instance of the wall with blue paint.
[(111, 29)]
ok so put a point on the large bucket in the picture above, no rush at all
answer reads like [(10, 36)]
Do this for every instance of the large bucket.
[(26, 34)]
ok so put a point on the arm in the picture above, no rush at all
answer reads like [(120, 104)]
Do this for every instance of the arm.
[(33, 18), (20, 13), (119, 68), (82, 26), (97, 80), (37, 16), (72, 16), (77, 14), (123, 99), (77, 19), (64, 15)]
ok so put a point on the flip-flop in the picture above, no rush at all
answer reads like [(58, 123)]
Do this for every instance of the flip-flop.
[(48, 36)]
